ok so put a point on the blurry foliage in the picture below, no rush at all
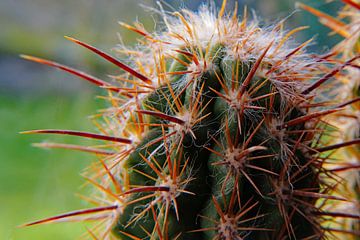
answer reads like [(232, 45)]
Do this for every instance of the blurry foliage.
[(37, 26), (36, 183)]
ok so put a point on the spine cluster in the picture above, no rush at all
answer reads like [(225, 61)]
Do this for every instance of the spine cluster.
[(215, 131), (345, 89)]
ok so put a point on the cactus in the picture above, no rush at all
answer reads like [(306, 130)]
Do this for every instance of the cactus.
[(347, 89), (215, 133)]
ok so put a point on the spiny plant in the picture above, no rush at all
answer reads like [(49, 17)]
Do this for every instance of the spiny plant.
[(215, 132), (346, 88)]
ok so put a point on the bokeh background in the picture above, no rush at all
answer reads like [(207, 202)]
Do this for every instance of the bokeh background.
[(37, 183)]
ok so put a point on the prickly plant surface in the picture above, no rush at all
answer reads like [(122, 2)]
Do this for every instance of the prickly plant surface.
[(213, 133), (346, 88)]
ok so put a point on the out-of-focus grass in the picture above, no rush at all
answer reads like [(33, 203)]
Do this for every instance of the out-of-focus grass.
[(37, 183)]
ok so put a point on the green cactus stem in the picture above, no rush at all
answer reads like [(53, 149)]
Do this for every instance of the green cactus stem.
[(214, 133)]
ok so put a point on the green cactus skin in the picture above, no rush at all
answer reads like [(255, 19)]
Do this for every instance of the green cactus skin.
[(245, 157), (217, 136)]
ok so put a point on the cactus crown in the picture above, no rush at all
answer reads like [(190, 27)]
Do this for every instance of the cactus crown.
[(215, 135)]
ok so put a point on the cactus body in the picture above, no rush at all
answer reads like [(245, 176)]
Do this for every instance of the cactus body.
[(216, 135)]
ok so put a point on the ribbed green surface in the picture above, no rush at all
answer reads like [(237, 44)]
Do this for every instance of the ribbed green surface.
[(215, 181)]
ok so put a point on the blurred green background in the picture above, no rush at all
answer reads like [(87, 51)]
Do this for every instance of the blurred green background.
[(37, 183)]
